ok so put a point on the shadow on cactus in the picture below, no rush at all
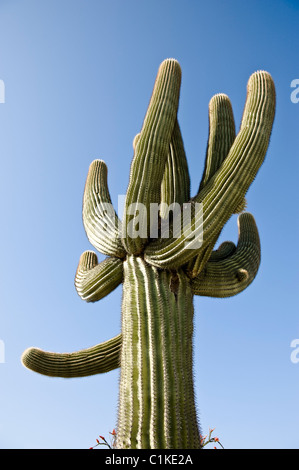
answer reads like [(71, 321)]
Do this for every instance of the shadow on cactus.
[(160, 275)]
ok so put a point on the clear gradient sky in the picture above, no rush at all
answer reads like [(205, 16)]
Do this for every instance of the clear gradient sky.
[(78, 77)]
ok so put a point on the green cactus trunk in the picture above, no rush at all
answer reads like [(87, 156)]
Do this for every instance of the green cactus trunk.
[(157, 406)]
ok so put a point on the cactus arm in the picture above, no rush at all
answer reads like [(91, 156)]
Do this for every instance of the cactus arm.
[(151, 152), (231, 269), (100, 221), (98, 359), (222, 134), (94, 281), (228, 186), (175, 186)]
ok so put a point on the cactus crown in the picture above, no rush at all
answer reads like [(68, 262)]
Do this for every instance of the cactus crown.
[(162, 273)]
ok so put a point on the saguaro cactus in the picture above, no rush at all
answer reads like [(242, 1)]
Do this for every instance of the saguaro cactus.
[(160, 275)]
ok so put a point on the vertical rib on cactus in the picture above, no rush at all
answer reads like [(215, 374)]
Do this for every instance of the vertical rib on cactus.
[(161, 275)]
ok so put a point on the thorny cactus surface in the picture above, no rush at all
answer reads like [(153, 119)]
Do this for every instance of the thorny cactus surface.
[(160, 274)]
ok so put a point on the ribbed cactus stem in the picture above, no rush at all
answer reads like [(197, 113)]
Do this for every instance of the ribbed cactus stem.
[(157, 407)]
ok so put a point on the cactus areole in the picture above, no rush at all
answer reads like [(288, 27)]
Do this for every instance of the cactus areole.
[(161, 273)]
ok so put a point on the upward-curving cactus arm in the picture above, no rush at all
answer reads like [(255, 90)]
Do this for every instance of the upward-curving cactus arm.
[(175, 186), (94, 281), (100, 221), (221, 135), (151, 152)]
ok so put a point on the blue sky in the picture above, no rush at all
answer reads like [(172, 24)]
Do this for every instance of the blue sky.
[(78, 77)]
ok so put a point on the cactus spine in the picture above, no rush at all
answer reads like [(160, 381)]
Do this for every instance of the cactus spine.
[(160, 275)]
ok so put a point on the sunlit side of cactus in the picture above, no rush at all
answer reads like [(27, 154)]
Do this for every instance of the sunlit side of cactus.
[(161, 275)]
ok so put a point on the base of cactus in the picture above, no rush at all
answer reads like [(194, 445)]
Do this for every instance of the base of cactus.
[(156, 403)]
